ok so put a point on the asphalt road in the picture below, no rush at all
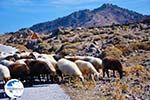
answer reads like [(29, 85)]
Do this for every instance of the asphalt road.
[(43, 92)]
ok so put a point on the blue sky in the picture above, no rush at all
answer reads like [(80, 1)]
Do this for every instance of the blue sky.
[(16, 14)]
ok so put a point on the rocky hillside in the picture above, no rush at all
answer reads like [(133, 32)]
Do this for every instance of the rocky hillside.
[(130, 43), (107, 14), (126, 42)]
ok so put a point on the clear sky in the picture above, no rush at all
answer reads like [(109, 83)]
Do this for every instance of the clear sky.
[(16, 14)]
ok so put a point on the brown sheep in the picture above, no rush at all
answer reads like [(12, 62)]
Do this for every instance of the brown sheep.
[(19, 71), (38, 68), (112, 64)]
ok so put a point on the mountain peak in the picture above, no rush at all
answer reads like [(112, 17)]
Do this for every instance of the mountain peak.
[(106, 6), (105, 15)]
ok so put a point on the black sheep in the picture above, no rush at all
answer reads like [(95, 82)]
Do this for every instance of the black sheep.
[(112, 64)]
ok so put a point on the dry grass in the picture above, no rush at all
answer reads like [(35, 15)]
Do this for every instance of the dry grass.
[(69, 51), (140, 45), (133, 69), (124, 48), (77, 90), (44, 45), (19, 47), (137, 71), (113, 52), (72, 45)]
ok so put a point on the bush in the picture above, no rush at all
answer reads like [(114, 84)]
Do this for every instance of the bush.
[(140, 45), (44, 45), (124, 49), (68, 51), (133, 69), (113, 52)]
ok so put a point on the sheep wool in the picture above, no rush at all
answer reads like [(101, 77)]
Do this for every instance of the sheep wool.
[(4, 72), (69, 68)]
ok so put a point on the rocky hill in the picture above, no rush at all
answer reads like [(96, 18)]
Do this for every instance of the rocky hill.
[(121, 41), (130, 43), (107, 14)]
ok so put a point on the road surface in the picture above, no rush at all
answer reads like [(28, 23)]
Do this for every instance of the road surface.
[(43, 92)]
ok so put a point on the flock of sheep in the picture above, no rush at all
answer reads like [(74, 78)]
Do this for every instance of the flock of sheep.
[(31, 66)]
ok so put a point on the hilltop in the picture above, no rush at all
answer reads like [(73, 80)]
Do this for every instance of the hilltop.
[(105, 15)]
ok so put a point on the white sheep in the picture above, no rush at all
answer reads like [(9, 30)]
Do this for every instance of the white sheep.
[(87, 69), (50, 58), (69, 68), (36, 55), (4, 73), (48, 63), (21, 61), (96, 62), (23, 55), (74, 58), (45, 56)]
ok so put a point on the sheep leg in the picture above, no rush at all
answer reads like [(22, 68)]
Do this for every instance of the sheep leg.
[(100, 71), (82, 81), (104, 72), (86, 76), (73, 78), (47, 76), (120, 73), (62, 78), (39, 77), (114, 73), (69, 79), (43, 76), (30, 80), (57, 79), (92, 77), (59, 73), (52, 78), (107, 72)]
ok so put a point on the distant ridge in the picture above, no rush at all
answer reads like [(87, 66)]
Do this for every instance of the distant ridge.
[(107, 14)]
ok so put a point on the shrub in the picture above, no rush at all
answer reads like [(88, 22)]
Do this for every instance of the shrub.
[(113, 52), (68, 51), (140, 45), (124, 49), (133, 69), (44, 45)]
